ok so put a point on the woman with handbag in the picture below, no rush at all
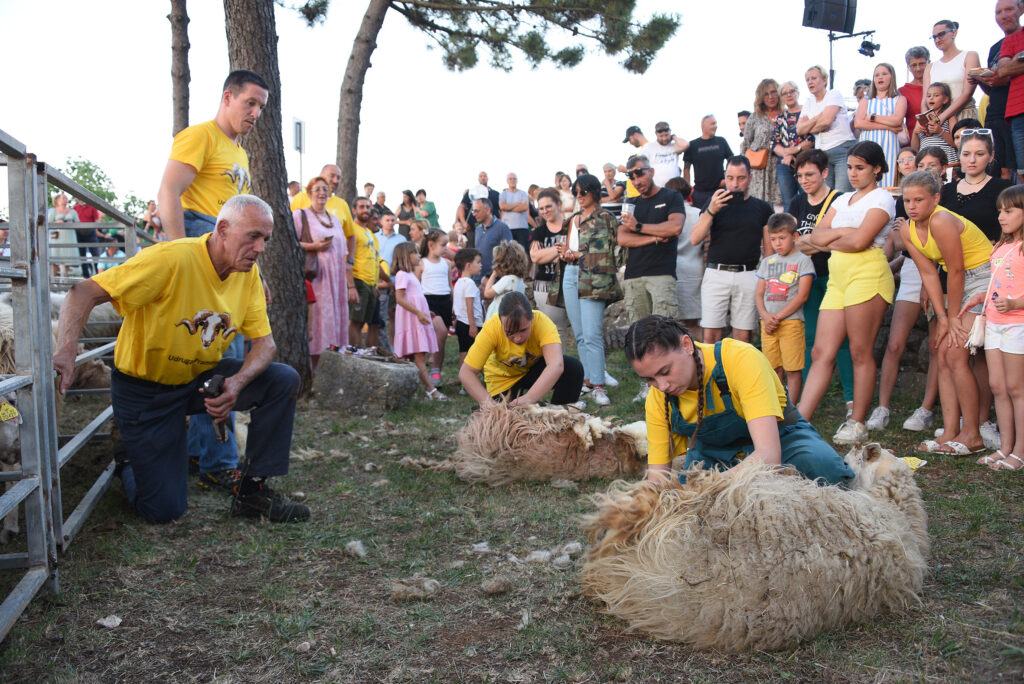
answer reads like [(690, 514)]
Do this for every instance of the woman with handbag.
[(935, 235), (589, 281), (1004, 331), (327, 268), (757, 142)]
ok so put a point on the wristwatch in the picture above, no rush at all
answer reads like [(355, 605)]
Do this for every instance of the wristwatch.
[(351, 261), (638, 228), (872, 117)]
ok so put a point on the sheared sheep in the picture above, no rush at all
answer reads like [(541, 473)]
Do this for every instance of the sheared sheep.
[(503, 444), (758, 560)]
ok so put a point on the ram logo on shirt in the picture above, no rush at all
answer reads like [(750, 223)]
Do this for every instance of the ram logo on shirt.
[(209, 324)]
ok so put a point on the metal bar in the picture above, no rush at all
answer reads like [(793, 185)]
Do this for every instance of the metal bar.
[(94, 353), (55, 177), (14, 382), (95, 390), (8, 272), (19, 598), (11, 475), (16, 494), (10, 561), (74, 522), (79, 440), (12, 147)]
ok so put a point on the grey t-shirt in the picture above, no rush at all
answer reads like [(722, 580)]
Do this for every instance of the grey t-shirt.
[(782, 273), (516, 220)]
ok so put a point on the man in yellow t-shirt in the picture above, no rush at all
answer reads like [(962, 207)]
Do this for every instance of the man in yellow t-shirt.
[(335, 205), (520, 353), (367, 272), (182, 303), (207, 167)]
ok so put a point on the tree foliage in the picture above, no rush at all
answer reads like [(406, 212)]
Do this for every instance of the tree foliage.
[(460, 28), (94, 179)]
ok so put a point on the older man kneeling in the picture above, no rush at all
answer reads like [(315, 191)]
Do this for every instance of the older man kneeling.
[(182, 303)]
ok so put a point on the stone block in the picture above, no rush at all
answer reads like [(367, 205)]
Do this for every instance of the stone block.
[(368, 385)]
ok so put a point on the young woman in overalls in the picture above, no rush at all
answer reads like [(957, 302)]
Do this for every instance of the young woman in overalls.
[(721, 404)]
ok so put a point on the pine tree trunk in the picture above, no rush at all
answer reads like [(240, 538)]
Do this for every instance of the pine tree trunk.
[(252, 44), (352, 96), (180, 76)]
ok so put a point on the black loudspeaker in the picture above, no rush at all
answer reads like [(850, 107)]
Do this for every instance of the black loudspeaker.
[(832, 15)]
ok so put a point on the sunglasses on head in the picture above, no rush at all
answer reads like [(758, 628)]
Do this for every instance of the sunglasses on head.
[(941, 33), (975, 131), (636, 173), (662, 130)]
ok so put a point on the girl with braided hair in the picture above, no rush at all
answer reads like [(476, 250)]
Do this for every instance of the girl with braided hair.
[(722, 405)]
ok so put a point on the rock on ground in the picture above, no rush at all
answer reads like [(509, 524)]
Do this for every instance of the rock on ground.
[(345, 382)]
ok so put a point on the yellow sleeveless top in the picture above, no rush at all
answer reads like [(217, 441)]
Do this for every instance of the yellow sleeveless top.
[(977, 248)]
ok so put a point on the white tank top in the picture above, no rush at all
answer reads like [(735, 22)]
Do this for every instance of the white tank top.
[(952, 74), (434, 278)]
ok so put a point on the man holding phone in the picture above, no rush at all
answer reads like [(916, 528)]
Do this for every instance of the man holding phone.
[(737, 224)]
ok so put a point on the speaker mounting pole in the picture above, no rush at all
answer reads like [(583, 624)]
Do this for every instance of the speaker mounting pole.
[(832, 37)]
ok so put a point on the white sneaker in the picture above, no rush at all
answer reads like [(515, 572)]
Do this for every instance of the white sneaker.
[(990, 435), (599, 396), (581, 405), (641, 396), (879, 418), (586, 389), (851, 432), (609, 380), (920, 419)]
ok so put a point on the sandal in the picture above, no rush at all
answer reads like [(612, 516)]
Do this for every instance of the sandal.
[(435, 395), (988, 459), (1006, 465), (958, 449)]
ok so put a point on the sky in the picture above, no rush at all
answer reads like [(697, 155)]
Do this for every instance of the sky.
[(80, 90)]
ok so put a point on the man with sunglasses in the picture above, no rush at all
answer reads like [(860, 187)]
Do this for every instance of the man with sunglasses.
[(651, 233), (706, 156)]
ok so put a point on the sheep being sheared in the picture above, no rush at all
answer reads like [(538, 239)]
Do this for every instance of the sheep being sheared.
[(758, 560), (503, 444)]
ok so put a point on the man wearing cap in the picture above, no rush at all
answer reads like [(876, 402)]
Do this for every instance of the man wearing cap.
[(664, 153), (706, 156)]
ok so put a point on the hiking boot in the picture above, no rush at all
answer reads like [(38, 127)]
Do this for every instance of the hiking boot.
[(599, 396), (920, 419), (224, 480), (879, 418), (265, 502), (851, 432)]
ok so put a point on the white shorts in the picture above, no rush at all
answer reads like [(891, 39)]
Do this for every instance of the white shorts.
[(1007, 338), (910, 282), (728, 296), (688, 295)]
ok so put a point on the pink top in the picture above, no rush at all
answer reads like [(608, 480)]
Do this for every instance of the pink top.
[(1007, 282)]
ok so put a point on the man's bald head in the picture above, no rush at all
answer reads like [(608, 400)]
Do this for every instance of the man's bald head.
[(332, 174)]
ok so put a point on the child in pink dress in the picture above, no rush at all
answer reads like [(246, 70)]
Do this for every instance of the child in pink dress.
[(414, 332)]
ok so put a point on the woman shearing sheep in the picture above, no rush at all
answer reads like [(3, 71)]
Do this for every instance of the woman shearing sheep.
[(721, 404)]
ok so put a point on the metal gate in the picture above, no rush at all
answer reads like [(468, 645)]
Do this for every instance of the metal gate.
[(37, 487)]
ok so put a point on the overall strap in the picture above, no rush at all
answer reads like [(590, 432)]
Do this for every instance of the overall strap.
[(719, 378)]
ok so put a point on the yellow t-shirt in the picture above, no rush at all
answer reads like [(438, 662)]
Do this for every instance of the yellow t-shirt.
[(977, 249), (222, 167), (335, 206), (503, 362), (756, 392), (367, 257), (179, 316)]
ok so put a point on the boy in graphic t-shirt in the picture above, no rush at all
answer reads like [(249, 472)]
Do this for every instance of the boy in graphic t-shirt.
[(783, 284)]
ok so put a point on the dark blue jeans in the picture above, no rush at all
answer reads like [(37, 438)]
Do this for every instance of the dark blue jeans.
[(1017, 130), (787, 183), (151, 418), (214, 456)]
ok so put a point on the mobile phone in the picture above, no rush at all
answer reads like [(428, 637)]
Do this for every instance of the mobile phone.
[(328, 237), (735, 198)]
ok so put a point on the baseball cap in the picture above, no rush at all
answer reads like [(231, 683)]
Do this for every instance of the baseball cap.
[(630, 131)]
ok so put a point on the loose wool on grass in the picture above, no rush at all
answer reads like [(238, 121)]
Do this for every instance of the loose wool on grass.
[(503, 444), (760, 560)]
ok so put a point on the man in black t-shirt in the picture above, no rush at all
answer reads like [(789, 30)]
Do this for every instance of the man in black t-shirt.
[(707, 155), (739, 236), (1008, 14), (651, 233)]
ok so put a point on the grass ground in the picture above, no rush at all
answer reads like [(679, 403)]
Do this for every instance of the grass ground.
[(210, 598)]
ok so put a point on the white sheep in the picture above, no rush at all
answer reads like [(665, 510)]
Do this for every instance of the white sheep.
[(759, 560)]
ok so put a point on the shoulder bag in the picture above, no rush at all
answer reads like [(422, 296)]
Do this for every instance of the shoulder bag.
[(976, 338), (311, 266), (758, 158)]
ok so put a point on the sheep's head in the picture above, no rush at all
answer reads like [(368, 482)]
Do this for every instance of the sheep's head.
[(870, 462)]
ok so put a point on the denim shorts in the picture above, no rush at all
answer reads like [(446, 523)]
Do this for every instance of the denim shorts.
[(976, 281)]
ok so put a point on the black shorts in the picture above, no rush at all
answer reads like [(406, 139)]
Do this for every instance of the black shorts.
[(462, 331), (1002, 143), (441, 306)]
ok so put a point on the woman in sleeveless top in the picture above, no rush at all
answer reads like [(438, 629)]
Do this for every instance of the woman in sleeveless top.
[(951, 69), (880, 116), (935, 235)]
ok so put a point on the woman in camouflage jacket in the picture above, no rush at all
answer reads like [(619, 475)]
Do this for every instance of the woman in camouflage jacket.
[(589, 280)]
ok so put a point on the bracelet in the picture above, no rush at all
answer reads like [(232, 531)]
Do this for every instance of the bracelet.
[(712, 213), (938, 315)]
